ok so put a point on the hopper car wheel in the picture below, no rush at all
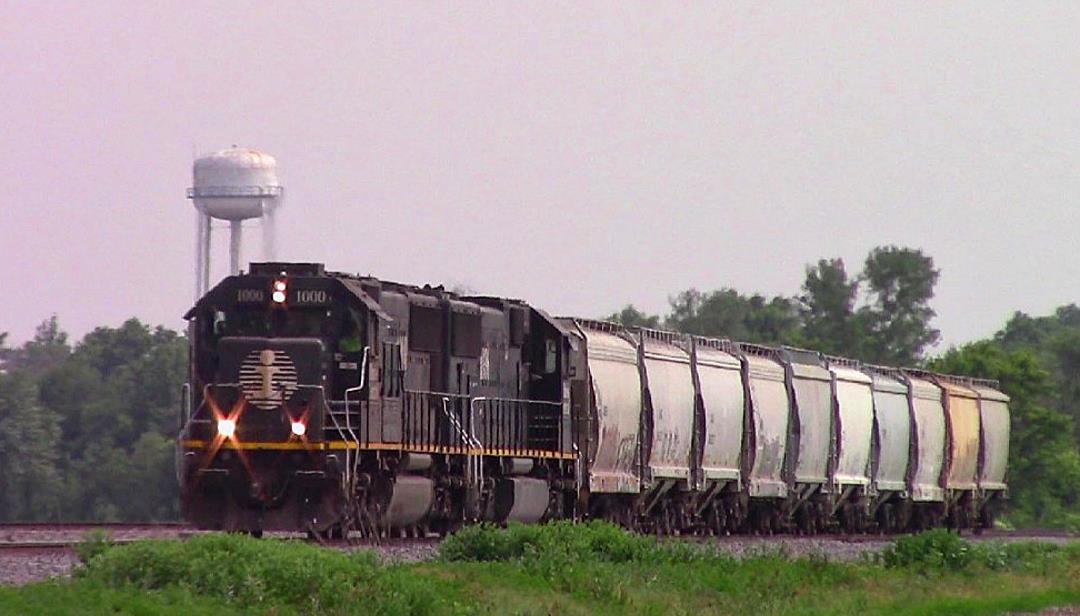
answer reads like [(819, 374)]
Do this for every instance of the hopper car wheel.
[(989, 518), (803, 521), (885, 519), (718, 523), (664, 526), (903, 515)]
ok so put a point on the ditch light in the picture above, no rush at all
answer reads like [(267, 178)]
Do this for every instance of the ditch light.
[(226, 427)]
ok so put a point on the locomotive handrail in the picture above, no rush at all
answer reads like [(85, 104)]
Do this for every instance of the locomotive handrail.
[(469, 439), (472, 413), (337, 426), (475, 468), (185, 419), (363, 382), (476, 405), (422, 423), (441, 394), (185, 405)]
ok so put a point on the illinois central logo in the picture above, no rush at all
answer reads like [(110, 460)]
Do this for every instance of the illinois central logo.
[(268, 378)]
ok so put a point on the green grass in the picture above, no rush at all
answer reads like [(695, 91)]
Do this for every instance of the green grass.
[(554, 569)]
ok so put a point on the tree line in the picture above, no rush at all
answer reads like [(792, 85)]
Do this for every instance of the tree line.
[(882, 315), (88, 428)]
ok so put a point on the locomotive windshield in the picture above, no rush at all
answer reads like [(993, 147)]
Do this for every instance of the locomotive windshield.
[(258, 321)]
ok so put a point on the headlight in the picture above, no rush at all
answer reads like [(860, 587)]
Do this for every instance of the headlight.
[(298, 428), (226, 427)]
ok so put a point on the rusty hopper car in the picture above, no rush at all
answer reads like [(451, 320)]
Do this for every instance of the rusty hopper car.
[(333, 403)]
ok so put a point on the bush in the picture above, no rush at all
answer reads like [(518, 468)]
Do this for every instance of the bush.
[(594, 560), (940, 550), (590, 541), (252, 573), (937, 549)]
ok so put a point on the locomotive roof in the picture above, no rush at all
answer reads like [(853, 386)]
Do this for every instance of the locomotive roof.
[(358, 286)]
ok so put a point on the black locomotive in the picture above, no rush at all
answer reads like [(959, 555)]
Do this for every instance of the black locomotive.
[(329, 402)]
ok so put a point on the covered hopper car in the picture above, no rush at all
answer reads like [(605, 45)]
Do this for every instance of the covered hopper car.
[(328, 403)]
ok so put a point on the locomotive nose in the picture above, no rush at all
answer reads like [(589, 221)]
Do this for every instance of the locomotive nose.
[(280, 383)]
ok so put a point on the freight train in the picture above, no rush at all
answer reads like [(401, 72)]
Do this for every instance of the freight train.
[(335, 403)]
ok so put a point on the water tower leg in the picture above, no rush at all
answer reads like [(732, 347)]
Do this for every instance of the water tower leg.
[(206, 254), (268, 235), (202, 255), (198, 254), (235, 239)]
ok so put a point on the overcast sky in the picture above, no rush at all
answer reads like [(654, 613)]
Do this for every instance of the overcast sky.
[(579, 158)]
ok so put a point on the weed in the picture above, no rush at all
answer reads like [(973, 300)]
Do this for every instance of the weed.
[(93, 543), (935, 550)]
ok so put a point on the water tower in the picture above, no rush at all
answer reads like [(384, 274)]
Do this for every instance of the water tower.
[(235, 184)]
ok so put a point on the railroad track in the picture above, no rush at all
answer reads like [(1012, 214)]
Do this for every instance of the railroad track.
[(44, 536), (38, 536), (75, 526)]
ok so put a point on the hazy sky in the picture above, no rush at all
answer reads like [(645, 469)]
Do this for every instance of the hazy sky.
[(579, 158)]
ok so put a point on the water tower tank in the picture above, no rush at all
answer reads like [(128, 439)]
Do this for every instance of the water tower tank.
[(235, 184)]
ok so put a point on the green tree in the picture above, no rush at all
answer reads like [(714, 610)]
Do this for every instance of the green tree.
[(900, 284), (726, 313), (1055, 340), (106, 348), (773, 320), (719, 313), (630, 316), (48, 348), (827, 305), (112, 402), (29, 482)]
